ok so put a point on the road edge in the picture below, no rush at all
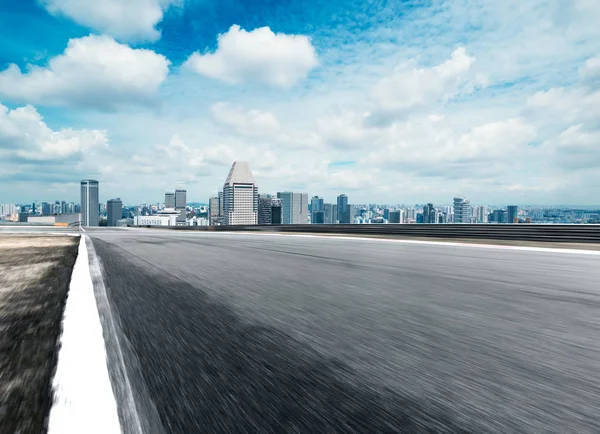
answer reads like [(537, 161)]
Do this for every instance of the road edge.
[(83, 396)]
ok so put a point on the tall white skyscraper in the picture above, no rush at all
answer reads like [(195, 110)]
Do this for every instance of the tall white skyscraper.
[(240, 196), (462, 210), (90, 215)]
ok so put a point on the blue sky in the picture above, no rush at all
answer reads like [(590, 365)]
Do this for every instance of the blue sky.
[(386, 101)]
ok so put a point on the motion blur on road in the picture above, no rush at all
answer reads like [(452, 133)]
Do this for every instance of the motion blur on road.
[(228, 333)]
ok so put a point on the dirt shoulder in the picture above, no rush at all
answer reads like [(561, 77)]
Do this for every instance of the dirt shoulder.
[(35, 272)]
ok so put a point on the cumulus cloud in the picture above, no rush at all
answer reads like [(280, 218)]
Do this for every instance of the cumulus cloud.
[(25, 138), (131, 20), (590, 73), (252, 123), (410, 88), (258, 56), (576, 148), (346, 129), (93, 72)]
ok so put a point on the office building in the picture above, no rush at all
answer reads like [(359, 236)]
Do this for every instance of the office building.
[(429, 214), (170, 199), (330, 211), (499, 216), (462, 210), (481, 214), (265, 205), (213, 210), (276, 211), (295, 207), (343, 214), (512, 214), (180, 204), (114, 211), (318, 217), (46, 208), (316, 204), (89, 202), (396, 216), (240, 196)]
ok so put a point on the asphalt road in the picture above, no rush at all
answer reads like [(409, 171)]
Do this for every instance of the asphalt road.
[(257, 333)]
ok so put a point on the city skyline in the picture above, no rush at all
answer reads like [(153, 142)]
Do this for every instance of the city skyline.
[(493, 106)]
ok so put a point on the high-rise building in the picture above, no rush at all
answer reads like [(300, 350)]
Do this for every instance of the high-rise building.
[(317, 217), (294, 207), (276, 211), (396, 216), (512, 214), (316, 204), (180, 204), (114, 211), (240, 196), (46, 209), (482, 214), (343, 215), (170, 199), (180, 198), (330, 211), (89, 202), (213, 210), (220, 195), (462, 210), (429, 214), (265, 205)]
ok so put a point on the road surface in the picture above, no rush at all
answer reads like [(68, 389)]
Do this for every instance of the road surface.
[(263, 333)]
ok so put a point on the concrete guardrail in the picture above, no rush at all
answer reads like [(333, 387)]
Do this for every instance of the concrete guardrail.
[(574, 233)]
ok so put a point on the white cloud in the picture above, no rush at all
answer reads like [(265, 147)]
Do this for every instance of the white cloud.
[(346, 129), (258, 56), (251, 123), (94, 71), (590, 73), (410, 88), (131, 20), (575, 149), (25, 138)]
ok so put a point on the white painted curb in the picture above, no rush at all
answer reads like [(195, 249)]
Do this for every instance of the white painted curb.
[(83, 398)]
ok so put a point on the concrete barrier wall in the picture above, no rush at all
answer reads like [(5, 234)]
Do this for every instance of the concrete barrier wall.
[(524, 232)]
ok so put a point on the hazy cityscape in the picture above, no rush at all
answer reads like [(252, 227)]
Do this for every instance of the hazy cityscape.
[(240, 202)]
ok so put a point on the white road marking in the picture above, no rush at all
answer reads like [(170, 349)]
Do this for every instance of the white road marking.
[(84, 401)]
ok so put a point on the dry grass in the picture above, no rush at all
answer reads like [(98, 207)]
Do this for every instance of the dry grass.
[(35, 272)]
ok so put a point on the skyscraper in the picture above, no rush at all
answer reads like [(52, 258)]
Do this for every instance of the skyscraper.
[(240, 196), (170, 199), (330, 211), (343, 216), (213, 210), (395, 216), (462, 212), (316, 204), (295, 207), (512, 214), (89, 202), (265, 204), (276, 211), (429, 214), (114, 211), (482, 214)]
